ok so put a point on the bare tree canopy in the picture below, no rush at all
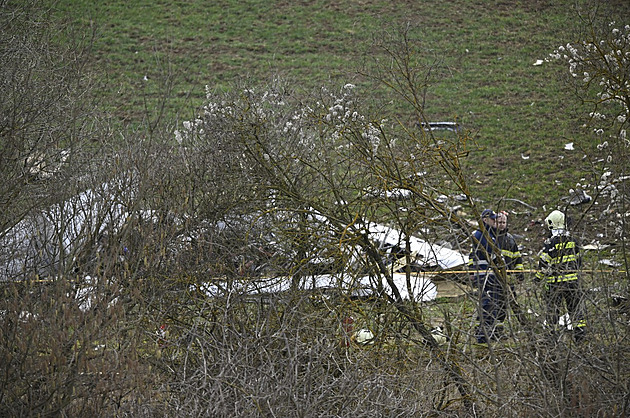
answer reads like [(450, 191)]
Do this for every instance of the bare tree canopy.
[(286, 253)]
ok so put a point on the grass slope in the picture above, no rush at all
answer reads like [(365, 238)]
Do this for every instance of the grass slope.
[(517, 110)]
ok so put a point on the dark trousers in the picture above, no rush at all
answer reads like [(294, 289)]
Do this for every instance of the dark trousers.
[(504, 303), (570, 293), (492, 308)]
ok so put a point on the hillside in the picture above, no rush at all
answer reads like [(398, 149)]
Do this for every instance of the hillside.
[(521, 115)]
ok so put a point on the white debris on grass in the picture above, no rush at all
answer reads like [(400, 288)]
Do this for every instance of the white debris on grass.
[(421, 289), (426, 255)]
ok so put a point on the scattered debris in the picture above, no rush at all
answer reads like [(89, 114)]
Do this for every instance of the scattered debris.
[(610, 263), (569, 146), (538, 63), (441, 198), (44, 166), (394, 194), (595, 246), (461, 197), (577, 197), (364, 337), (441, 126), (438, 335)]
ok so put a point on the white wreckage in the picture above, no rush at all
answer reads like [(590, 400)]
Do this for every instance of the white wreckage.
[(41, 244), (426, 259), (44, 242), (420, 289)]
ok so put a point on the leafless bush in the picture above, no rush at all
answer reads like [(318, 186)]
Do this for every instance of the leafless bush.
[(107, 308), (43, 115)]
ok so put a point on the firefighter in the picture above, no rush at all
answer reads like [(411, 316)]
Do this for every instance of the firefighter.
[(481, 264), (559, 264), (513, 261)]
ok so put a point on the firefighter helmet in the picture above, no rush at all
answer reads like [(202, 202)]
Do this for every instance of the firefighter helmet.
[(555, 220)]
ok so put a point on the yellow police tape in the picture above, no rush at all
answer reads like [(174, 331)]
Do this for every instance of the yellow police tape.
[(527, 271), (418, 273)]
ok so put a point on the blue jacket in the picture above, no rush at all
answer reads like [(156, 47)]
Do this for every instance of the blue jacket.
[(481, 255)]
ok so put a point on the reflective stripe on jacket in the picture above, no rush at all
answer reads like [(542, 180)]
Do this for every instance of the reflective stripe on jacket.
[(560, 259), (510, 252)]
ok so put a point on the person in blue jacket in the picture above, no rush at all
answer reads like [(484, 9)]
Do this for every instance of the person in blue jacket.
[(481, 264)]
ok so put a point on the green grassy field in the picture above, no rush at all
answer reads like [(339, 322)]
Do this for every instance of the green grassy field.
[(521, 114)]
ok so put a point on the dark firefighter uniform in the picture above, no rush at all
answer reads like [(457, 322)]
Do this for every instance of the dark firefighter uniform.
[(558, 268), (513, 264), (511, 255)]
